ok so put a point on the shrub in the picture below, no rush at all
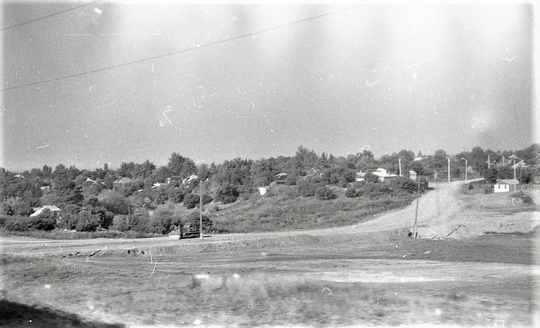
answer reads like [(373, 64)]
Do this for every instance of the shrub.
[(351, 192), (324, 193), (24, 223), (524, 197), (193, 200), (162, 221), (114, 202), (403, 183), (176, 195), (227, 194), (373, 190), (139, 223), (87, 221), (194, 219), (120, 223), (307, 188)]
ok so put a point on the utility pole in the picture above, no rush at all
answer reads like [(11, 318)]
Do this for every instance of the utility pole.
[(399, 160), (515, 180), (200, 210), (415, 230), (466, 166), (448, 169), (489, 163)]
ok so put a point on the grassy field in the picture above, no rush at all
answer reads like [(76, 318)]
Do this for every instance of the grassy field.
[(283, 286), (283, 212)]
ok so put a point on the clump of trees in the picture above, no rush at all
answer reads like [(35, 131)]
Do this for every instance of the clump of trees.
[(128, 198)]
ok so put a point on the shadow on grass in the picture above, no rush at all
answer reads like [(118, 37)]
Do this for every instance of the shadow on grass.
[(14, 314)]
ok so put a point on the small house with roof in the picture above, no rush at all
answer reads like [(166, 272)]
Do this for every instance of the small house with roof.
[(383, 174), (504, 185), (39, 210)]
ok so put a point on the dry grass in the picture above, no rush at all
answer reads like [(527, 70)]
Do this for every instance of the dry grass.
[(134, 294), (281, 213)]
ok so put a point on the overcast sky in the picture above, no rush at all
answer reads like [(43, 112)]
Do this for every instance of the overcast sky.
[(214, 82)]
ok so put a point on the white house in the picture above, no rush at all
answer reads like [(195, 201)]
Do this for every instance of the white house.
[(263, 190), (39, 210), (504, 185), (383, 174)]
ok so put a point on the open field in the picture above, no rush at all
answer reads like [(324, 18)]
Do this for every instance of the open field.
[(366, 274)]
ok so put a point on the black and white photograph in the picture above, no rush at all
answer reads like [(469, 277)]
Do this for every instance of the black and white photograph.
[(269, 164)]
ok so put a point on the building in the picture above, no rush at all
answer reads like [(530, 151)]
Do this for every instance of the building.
[(39, 210), (413, 175), (504, 185), (383, 174)]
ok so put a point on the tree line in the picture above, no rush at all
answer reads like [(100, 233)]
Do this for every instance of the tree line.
[(128, 198)]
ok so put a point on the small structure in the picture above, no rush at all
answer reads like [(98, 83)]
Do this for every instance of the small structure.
[(360, 176), (191, 178), (39, 210), (280, 178), (263, 190), (123, 180), (383, 174), (413, 175), (504, 185)]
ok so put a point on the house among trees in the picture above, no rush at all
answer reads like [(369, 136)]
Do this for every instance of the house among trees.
[(39, 210), (413, 175), (280, 178), (383, 174), (123, 180), (504, 185)]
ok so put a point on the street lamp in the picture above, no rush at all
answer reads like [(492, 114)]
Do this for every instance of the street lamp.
[(399, 160), (465, 168)]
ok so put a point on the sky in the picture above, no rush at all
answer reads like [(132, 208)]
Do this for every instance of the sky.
[(89, 83)]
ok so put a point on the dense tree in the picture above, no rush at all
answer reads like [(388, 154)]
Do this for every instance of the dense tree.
[(114, 202), (181, 166), (194, 219)]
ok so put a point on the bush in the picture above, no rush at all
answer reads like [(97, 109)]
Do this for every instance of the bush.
[(114, 201), (24, 223), (139, 223), (307, 188), (87, 221), (193, 200), (227, 194), (524, 197), (324, 193), (176, 195), (373, 190), (162, 221), (194, 219), (351, 192), (120, 223), (403, 183)]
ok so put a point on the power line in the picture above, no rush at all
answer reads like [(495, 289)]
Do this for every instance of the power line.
[(183, 50), (45, 17)]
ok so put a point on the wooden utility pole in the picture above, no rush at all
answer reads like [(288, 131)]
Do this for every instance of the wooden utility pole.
[(415, 232), (200, 210), (448, 169)]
